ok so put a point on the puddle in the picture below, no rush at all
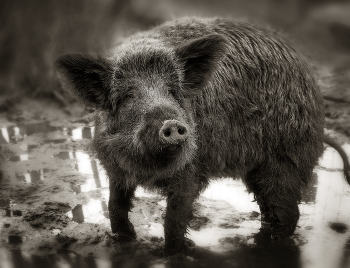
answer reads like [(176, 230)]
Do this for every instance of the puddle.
[(81, 133), (17, 158), (96, 209), (6, 206), (322, 236), (15, 239), (11, 213), (324, 202), (324, 214), (16, 134), (227, 222), (32, 176), (234, 192), (93, 212), (62, 259), (90, 166), (86, 165)]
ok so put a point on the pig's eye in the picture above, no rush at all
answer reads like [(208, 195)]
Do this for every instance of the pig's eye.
[(173, 92), (131, 94)]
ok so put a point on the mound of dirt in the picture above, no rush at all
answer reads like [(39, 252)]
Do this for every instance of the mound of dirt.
[(49, 215)]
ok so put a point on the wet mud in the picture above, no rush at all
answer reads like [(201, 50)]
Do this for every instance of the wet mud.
[(53, 211), (54, 196)]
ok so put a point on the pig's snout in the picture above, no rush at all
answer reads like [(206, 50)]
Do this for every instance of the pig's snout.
[(173, 132)]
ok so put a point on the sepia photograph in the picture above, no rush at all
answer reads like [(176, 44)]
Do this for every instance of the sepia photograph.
[(175, 133)]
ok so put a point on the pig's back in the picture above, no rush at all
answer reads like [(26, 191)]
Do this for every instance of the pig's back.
[(262, 98)]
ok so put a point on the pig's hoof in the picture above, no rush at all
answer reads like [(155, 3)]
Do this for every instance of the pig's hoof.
[(275, 237), (125, 237), (122, 236), (280, 234), (187, 247)]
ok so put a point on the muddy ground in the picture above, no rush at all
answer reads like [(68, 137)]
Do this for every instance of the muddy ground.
[(54, 196)]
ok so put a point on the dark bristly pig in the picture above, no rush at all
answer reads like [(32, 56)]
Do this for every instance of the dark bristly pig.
[(200, 98)]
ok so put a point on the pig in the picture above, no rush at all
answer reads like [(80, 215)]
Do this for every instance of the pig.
[(201, 98)]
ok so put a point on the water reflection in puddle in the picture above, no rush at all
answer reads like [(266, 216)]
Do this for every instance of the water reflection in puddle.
[(6, 206), (324, 204), (95, 210), (81, 133), (32, 176), (11, 213), (17, 158), (16, 134), (325, 247), (234, 192), (322, 238), (61, 259), (15, 239), (322, 233), (89, 166)]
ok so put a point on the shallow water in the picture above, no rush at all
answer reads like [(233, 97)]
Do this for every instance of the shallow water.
[(230, 232)]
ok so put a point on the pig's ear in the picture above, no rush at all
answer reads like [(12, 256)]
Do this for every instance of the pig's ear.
[(201, 57), (86, 77)]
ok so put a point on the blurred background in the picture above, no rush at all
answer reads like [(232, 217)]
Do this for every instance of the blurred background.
[(45, 134), (34, 33)]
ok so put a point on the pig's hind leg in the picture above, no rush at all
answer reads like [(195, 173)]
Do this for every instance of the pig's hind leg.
[(277, 190), (119, 205)]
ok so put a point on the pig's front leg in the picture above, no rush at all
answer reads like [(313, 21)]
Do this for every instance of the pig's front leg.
[(119, 205), (178, 215)]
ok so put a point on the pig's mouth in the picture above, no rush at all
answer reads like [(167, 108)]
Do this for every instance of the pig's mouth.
[(168, 147), (172, 138), (170, 155), (172, 150)]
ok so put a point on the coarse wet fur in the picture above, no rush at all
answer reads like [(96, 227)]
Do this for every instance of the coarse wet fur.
[(196, 99)]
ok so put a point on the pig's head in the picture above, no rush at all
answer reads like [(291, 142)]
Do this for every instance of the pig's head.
[(145, 97)]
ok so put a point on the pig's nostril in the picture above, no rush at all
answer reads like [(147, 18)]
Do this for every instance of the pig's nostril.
[(181, 130), (167, 132)]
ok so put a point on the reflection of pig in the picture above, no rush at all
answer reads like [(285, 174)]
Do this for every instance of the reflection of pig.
[(78, 214), (200, 98)]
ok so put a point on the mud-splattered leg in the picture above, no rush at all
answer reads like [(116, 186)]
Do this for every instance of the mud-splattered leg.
[(178, 215), (265, 213), (277, 190), (119, 205)]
